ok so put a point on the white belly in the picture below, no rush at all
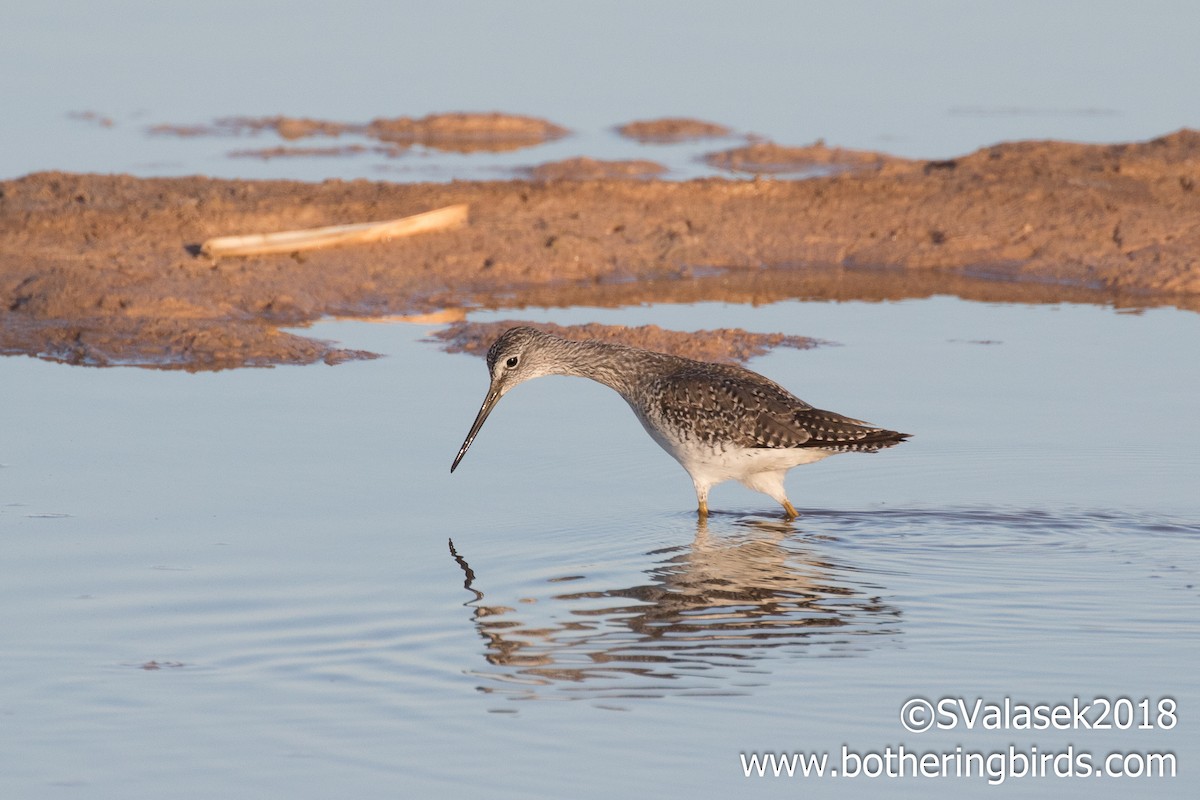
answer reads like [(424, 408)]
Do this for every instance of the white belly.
[(713, 466), (709, 466)]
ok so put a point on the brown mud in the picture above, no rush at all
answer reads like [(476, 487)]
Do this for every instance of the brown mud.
[(458, 132), (102, 269), (672, 129), (584, 168), (768, 157)]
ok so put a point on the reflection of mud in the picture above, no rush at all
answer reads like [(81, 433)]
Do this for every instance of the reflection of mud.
[(166, 343), (716, 606), (727, 345), (463, 133), (672, 129), (107, 261)]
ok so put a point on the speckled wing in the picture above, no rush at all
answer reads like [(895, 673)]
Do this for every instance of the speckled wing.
[(720, 404)]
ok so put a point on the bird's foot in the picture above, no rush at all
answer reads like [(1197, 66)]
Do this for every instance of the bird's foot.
[(789, 511)]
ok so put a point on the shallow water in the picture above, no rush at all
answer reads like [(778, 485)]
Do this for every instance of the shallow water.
[(267, 583)]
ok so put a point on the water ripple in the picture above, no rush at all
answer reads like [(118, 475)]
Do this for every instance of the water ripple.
[(676, 609), (752, 591)]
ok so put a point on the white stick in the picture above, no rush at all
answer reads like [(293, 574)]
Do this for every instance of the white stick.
[(335, 235)]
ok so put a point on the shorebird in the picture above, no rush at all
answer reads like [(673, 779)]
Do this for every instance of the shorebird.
[(720, 422)]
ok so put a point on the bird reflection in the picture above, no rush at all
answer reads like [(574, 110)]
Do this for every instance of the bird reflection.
[(715, 609)]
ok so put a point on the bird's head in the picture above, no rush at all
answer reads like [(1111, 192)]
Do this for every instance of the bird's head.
[(520, 354), (517, 356)]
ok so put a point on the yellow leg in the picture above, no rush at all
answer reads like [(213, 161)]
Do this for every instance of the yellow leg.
[(702, 511), (789, 510)]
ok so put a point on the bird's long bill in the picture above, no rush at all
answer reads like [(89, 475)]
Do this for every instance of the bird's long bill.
[(489, 403)]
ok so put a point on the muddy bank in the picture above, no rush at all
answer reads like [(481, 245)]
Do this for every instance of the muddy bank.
[(727, 345), (672, 129), (102, 269), (768, 158), (584, 168)]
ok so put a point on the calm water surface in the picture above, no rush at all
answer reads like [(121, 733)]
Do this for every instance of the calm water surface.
[(922, 79), (242, 584), (278, 544)]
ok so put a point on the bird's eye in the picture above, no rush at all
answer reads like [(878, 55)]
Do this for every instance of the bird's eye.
[(512, 362)]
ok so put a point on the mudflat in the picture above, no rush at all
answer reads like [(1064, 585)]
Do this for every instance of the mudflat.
[(106, 269)]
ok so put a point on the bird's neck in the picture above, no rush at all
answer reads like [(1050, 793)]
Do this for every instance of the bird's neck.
[(617, 366)]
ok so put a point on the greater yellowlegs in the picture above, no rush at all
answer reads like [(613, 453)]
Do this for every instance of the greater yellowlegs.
[(721, 422)]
